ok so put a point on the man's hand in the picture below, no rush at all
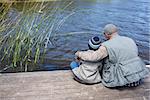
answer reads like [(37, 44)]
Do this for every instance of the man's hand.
[(77, 53), (77, 58)]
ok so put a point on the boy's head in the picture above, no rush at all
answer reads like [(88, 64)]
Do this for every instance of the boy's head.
[(94, 43)]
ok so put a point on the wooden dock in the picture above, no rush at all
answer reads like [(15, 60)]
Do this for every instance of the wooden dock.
[(59, 85)]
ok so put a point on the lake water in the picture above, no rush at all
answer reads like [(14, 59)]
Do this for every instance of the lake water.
[(88, 19)]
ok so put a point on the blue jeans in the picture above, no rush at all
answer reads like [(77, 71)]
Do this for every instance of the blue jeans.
[(74, 64)]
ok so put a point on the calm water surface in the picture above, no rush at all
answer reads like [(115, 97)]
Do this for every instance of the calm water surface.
[(132, 17)]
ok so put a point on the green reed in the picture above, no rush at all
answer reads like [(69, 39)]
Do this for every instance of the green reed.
[(26, 35)]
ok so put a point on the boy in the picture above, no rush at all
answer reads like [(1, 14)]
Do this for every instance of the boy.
[(87, 72)]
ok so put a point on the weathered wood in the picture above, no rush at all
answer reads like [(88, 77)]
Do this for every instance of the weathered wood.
[(59, 85)]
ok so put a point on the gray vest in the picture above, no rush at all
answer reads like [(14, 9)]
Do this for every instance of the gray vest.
[(123, 64)]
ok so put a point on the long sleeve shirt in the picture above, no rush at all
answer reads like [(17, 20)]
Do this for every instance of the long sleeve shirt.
[(91, 55)]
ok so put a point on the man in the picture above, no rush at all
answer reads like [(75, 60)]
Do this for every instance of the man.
[(123, 67)]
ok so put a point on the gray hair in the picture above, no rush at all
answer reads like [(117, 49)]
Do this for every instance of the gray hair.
[(110, 29)]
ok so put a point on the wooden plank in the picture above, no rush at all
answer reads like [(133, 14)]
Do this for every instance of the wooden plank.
[(59, 85)]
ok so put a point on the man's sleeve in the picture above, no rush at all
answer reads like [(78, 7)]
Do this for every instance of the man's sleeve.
[(91, 55)]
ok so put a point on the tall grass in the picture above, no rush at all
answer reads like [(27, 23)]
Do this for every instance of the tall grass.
[(26, 34)]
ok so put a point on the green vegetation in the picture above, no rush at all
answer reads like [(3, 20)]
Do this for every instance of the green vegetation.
[(26, 33), (27, 0)]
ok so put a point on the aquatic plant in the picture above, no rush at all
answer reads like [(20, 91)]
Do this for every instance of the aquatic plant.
[(24, 36)]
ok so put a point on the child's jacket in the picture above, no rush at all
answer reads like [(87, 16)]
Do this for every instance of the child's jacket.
[(88, 72)]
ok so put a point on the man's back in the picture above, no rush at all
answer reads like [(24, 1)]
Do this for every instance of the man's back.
[(121, 48), (123, 65)]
